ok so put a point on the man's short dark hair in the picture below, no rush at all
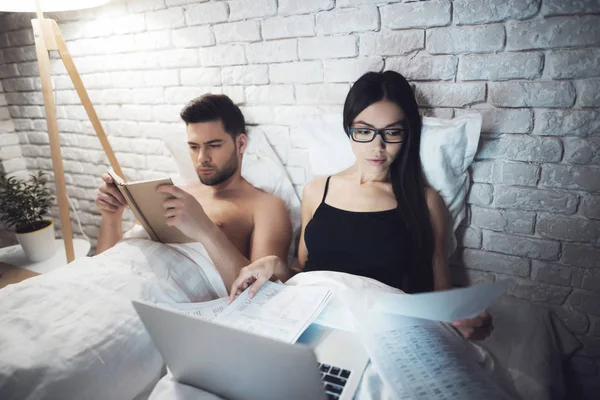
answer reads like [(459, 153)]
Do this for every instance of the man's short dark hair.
[(215, 107)]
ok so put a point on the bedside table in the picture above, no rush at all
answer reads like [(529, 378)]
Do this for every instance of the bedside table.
[(10, 274), (14, 256)]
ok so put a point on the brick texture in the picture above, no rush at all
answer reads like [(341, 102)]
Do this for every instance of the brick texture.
[(417, 14), (529, 67), (486, 11)]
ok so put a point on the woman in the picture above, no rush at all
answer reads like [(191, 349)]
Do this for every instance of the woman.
[(379, 218)]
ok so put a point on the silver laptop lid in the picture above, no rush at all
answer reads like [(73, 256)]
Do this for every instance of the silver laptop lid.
[(229, 363)]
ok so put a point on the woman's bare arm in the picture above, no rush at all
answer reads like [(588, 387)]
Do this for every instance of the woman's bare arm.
[(439, 219), (477, 328)]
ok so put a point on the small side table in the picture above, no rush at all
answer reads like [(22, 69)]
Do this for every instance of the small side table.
[(10, 274), (15, 256)]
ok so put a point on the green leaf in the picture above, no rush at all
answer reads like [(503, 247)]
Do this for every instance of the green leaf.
[(24, 202)]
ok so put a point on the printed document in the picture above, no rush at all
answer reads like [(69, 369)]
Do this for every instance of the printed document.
[(207, 310), (447, 305), (422, 360), (276, 311)]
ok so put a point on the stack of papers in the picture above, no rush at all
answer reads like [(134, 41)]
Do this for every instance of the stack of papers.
[(207, 310), (276, 311)]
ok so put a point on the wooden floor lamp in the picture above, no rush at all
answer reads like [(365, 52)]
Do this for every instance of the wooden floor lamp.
[(47, 38)]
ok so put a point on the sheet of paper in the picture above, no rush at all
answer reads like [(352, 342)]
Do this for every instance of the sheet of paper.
[(206, 310), (336, 315), (276, 311), (423, 360), (447, 306)]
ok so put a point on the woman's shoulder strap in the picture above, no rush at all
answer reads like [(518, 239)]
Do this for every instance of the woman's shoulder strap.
[(326, 189)]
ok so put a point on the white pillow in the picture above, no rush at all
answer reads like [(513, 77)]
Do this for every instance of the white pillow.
[(260, 167), (447, 149)]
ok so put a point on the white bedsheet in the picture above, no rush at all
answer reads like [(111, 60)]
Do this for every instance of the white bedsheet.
[(371, 386), (523, 370), (73, 333)]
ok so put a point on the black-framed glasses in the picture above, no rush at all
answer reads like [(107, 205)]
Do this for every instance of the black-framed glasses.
[(388, 135)]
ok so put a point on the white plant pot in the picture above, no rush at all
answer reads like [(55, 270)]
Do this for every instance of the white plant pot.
[(38, 245)]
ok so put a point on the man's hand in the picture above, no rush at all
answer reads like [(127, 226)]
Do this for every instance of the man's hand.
[(477, 328), (255, 274), (184, 212), (109, 200)]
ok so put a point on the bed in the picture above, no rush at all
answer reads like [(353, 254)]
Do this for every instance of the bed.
[(73, 333)]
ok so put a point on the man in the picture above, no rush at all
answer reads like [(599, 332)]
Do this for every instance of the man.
[(236, 222)]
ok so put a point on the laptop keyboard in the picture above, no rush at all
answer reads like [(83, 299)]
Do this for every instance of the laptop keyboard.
[(334, 379)]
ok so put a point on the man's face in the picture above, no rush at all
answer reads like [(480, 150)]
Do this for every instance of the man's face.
[(215, 154)]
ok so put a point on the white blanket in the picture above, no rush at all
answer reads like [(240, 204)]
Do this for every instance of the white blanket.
[(371, 386), (73, 333), (523, 370)]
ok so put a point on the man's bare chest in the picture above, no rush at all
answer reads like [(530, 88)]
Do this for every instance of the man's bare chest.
[(232, 218)]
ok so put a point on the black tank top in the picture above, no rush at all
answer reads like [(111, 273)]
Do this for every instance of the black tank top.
[(371, 244)]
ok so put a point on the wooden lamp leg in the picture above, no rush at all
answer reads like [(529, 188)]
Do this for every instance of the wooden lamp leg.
[(48, 37), (57, 164), (85, 99)]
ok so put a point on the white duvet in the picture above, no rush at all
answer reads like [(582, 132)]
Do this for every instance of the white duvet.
[(371, 386), (524, 355), (73, 333)]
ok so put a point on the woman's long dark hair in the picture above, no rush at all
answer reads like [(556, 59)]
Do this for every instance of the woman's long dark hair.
[(406, 173)]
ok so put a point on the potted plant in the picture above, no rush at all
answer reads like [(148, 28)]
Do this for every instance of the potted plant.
[(23, 205)]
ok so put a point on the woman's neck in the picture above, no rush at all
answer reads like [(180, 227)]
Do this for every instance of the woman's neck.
[(365, 177)]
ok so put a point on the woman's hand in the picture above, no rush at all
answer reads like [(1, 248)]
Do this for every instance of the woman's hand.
[(254, 274), (477, 328)]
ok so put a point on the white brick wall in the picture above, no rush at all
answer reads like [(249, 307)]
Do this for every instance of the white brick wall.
[(391, 43), (327, 47), (346, 20), (243, 31), (274, 51), (196, 36), (11, 161), (207, 13), (416, 15), (288, 27), (530, 67)]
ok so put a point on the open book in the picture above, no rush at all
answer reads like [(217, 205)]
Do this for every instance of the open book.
[(276, 311), (147, 206)]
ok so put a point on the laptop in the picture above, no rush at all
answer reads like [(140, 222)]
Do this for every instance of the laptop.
[(234, 365)]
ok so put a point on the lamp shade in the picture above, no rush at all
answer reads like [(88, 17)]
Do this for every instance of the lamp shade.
[(49, 5)]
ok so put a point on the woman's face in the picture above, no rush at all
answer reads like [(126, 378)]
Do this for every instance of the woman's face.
[(377, 155)]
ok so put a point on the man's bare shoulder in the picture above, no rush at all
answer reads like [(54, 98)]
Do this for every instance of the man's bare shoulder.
[(265, 201)]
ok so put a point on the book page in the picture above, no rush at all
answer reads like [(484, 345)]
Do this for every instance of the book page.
[(277, 311), (147, 206)]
